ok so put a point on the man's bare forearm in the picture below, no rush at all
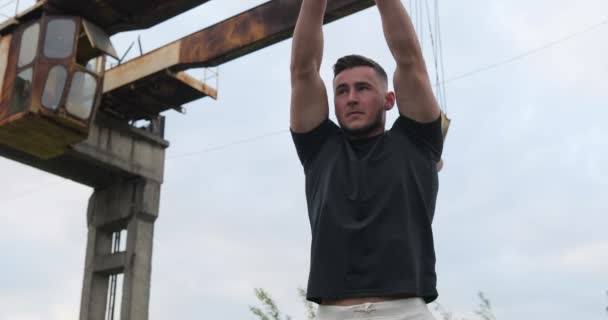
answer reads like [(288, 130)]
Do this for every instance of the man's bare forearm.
[(307, 48), (413, 90), (400, 33)]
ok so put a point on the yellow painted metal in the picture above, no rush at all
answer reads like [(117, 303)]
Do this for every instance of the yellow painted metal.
[(5, 42), (445, 124), (34, 129), (37, 135), (195, 84), (146, 65)]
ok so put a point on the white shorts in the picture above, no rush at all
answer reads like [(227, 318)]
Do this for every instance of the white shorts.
[(402, 309)]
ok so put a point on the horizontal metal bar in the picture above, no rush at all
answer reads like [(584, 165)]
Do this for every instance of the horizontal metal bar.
[(253, 30), (234, 37)]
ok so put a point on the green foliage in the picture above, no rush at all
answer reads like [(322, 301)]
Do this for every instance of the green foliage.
[(271, 310), (485, 309), (445, 315), (311, 308)]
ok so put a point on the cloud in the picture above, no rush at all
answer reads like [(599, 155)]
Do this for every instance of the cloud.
[(520, 213)]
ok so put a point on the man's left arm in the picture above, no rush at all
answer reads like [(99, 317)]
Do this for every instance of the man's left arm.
[(413, 90)]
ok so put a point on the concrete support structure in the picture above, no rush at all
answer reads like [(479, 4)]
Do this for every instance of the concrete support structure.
[(125, 164), (130, 205)]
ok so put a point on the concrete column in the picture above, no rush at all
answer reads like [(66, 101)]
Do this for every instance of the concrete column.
[(130, 205), (138, 270), (95, 285)]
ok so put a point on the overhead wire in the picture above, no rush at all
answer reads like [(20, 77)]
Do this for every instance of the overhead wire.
[(443, 83), (6, 4), (2, 6), (449, 80), (440, 44), (230, 144), (526, 53), (435, 48)]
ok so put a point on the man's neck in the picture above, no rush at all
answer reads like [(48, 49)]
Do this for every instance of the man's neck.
[(364, 135)]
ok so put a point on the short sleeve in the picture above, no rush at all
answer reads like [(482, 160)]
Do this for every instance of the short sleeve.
[(427, 135), (309, 144)]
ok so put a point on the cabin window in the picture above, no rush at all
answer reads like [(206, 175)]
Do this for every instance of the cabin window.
[(59, 42), (96, 65), (22, 89), (29, 45), (53, 87), (82, 95)]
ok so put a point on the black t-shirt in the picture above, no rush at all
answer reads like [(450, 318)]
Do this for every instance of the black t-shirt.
[(371, 204)]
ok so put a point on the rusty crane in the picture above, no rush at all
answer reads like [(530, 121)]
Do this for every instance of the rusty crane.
[(64, 112)]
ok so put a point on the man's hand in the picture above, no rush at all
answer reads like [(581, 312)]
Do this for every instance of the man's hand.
[(439, 165), (415, 98), (309, 104)]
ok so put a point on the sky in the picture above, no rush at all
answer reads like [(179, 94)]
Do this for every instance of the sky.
[(521, 211)]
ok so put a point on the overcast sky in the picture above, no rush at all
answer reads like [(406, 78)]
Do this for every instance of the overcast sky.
[(521, 211)]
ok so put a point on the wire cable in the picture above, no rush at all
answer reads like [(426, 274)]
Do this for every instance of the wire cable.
[(275, 133), (440, 44), (228, 145), (435, 58), (527, 53), (6, 4)]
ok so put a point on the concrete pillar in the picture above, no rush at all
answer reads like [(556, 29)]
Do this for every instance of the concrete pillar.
[(130, 205), (95, 285), (140, 233)]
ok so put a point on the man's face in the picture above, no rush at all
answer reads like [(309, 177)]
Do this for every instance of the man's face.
[(361, 99)]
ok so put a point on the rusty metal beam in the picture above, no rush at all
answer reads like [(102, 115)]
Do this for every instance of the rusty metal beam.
[(252, 30), (5, 42), (242, 34), (96, 162), (115, 16)]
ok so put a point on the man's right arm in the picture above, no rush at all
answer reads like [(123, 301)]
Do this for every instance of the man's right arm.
[(309, 104)]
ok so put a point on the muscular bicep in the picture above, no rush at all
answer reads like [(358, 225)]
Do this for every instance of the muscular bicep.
[(414, 94), (309, 104)]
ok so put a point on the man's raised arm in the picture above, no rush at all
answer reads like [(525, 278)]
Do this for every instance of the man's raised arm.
[(309, 105), (413, 88)]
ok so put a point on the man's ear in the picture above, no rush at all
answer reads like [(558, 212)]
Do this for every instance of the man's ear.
[(389, 101)]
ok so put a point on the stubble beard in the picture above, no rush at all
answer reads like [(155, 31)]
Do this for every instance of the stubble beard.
[(366, 131)]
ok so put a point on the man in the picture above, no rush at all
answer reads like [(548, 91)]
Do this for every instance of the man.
[(371, 193)]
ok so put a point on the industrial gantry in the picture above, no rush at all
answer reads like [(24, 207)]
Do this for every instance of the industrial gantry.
[(62, 111)]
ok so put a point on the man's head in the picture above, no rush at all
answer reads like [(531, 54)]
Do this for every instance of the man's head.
[(361, 96)]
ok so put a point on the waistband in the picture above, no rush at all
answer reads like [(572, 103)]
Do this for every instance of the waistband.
[(380, 309)]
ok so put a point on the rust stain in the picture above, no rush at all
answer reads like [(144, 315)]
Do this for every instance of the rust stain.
[(186, 78), (141, 67), (254, 29), (9, 78), (229, 39), (5, 46), (5, 42), (41, 132)]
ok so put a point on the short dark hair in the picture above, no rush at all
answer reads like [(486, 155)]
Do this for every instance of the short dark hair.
[(355, 60)]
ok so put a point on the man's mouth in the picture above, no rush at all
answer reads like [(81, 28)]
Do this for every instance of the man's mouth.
[(352, 113)]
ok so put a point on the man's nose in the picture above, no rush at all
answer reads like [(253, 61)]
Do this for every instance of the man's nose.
[(353, 97)]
